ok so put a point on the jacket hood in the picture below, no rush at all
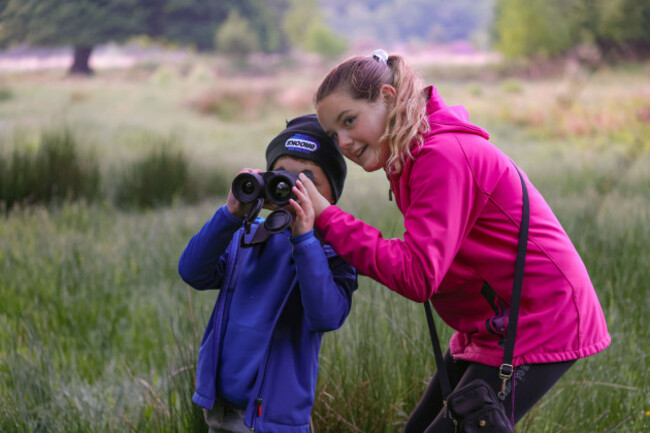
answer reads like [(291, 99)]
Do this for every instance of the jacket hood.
[(448, 119)]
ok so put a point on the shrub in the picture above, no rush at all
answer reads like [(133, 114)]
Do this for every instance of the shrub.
[(155, 180), (5, 94), (322, 40), (236, 38), (54, 171)]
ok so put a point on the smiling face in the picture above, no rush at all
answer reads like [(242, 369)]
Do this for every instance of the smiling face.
[(357, 126), (295, 165)]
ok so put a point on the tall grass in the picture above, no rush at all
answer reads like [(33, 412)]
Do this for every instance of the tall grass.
[(155, 180), (94, 328), (54, 171)]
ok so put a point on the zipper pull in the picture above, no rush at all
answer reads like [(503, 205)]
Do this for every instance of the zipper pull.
[(258, 403), (390, 194)]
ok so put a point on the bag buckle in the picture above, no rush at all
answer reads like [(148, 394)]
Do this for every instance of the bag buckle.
[(505, 374), (505, 371)]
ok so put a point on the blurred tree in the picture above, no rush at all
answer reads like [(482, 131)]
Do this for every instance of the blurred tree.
[(306, 28), (84, 24), (194, 22), (81, 24), (623, 23), (236, 38), (532, 27), (320, 39)]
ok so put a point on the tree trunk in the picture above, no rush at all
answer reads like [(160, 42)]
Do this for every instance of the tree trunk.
[(80, 65)]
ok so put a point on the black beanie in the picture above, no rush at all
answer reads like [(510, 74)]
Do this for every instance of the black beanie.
[(304, 138)]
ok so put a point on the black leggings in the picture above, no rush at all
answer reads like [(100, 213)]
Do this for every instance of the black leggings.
[(531, 383)]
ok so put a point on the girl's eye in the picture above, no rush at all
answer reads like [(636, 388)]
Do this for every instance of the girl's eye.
[(348, 121)]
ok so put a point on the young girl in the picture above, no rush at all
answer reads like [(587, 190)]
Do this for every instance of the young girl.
[(461, 198)]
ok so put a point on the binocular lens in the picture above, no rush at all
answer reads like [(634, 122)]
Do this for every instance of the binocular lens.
[(248, 187), (282, 191)]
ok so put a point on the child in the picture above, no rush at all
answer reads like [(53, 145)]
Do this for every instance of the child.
[(461, 199), (258, 361)]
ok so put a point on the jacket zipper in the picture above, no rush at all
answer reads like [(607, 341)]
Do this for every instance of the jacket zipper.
[(258, 401), (257, 413)]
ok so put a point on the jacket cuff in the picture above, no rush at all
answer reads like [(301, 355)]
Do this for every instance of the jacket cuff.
[(300, 239), (230, 218)]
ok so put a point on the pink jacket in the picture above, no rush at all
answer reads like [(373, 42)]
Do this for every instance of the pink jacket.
[(461, 199)]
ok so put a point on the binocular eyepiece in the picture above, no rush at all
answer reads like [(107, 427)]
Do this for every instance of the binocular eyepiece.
[(273, 186)]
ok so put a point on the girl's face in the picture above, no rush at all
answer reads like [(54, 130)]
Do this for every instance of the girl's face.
[(357, 126)]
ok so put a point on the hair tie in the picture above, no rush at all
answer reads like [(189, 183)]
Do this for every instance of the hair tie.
[(381, 56)]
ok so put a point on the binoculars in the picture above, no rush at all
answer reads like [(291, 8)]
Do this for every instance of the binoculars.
[(272, 186)]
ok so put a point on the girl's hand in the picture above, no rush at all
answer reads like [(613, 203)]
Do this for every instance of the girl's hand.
[(303, 211), (318, 202), (235, 207)]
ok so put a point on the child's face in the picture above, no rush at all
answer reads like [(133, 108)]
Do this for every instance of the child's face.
[(357, 126), (295, 165)]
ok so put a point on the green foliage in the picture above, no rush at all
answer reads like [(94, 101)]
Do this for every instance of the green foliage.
[(623, 21), (53, 172), (155, 180), (82, 22), (195, 22), (86, 23), (236, 37), (164, 176), (5, 94), (305, 28), (322, 40), (264, 16), (298, 20), (529, 27), (538, 27)]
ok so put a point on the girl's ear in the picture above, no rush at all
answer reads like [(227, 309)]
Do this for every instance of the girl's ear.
[(387, 92)]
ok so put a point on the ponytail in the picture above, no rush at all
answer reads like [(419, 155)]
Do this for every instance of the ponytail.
[(407, 122)]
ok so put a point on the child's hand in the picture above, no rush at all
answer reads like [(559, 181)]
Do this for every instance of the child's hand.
[(235, 207), (303, 211), (318, 202)]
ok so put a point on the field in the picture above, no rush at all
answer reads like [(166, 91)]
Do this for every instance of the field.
[(98, 332)]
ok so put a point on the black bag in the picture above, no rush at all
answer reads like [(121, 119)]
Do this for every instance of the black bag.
[(475, 408)]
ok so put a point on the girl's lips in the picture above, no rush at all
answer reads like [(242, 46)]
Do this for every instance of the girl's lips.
[(360, 152)]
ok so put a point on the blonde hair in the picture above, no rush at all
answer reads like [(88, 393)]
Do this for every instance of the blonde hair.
[(406, 123)]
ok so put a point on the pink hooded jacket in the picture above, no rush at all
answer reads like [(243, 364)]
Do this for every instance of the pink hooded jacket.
[(461, 199)]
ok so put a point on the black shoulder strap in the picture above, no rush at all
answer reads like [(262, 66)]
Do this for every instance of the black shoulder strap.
[(506, 370), (511, 331), (437, 351)]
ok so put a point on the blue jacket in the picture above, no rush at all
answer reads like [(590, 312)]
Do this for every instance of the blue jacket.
[(317, 288)]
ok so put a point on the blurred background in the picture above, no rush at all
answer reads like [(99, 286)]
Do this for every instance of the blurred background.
[(123, 122)]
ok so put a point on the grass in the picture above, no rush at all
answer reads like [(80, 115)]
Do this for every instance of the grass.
[(53, 172), (98, 333)]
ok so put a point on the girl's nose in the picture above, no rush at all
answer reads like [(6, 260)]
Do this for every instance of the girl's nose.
[(344, 140)]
